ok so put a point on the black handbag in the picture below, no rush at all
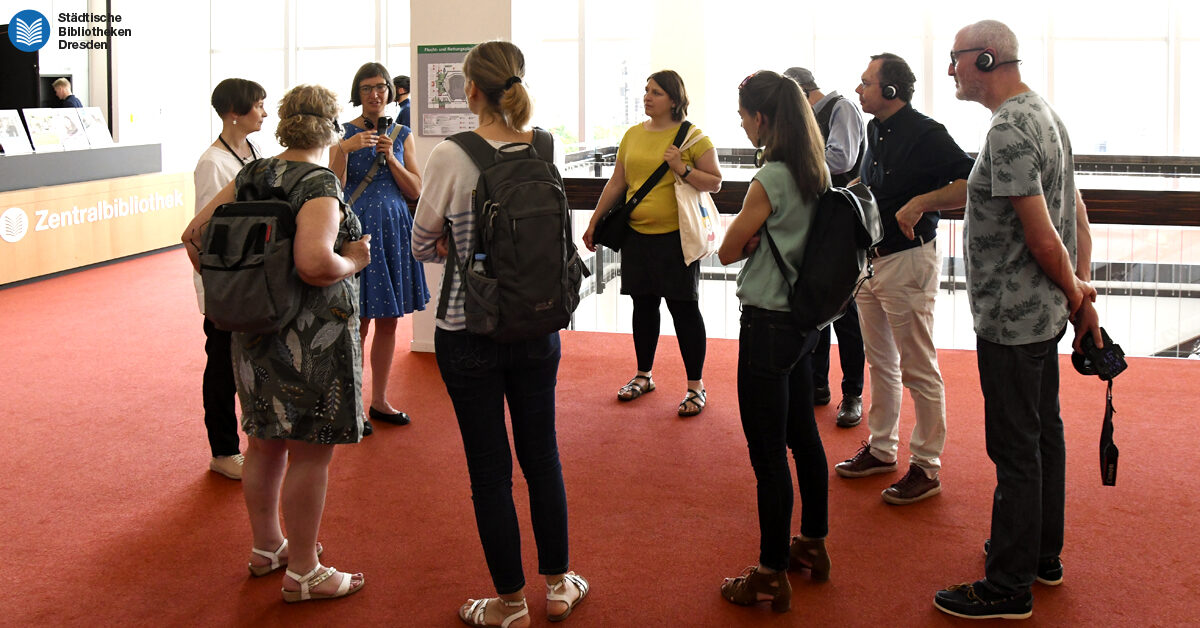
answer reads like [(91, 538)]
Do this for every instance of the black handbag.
[(613, 227)]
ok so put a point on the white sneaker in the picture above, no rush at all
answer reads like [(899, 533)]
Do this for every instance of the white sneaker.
[(228, 466)]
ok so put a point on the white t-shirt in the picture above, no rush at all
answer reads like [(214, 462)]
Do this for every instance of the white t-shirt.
[(216, 168)]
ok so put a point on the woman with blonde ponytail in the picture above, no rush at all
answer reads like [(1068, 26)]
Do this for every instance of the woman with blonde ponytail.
[(481, 373), (774, 355)]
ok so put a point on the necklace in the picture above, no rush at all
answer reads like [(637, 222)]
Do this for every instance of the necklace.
[(253, 155)]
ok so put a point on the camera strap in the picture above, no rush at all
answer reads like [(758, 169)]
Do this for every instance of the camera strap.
[(1108, 449), (362, 185)]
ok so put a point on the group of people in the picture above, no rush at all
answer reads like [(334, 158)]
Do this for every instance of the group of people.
[(1027, 249)]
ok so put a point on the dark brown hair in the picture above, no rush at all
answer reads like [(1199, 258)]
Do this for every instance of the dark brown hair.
[(371, 70), (672, 84), (789, 132)]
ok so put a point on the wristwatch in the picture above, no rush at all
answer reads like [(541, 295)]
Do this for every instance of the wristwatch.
[(686, 171)]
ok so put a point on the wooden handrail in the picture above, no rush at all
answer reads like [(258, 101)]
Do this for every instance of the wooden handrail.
[(1174, 208)]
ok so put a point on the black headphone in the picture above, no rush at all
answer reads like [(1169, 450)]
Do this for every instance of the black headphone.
[(986, 61), (889, 92)]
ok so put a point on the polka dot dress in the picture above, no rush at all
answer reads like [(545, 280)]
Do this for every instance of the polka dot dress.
[(393, 284)]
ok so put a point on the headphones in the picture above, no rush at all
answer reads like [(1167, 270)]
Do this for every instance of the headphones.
[(986, 61), (889, 92)]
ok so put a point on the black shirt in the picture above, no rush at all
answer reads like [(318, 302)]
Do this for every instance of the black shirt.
[(907, 155)]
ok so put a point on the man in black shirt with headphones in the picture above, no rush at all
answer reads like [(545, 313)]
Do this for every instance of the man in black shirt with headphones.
[(914, 169)]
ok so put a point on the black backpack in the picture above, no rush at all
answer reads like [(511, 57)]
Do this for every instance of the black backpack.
[(846, 224), (522, 279), (250, 280)]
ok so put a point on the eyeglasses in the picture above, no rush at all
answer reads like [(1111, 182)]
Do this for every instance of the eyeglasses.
[(377, 88), (746, 80), (954, 54)]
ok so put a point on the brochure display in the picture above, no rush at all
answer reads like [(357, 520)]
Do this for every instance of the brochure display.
[(13, 140), (95, 127), (55, 129)]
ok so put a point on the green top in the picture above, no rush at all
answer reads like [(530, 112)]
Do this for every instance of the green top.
[(759, 282)]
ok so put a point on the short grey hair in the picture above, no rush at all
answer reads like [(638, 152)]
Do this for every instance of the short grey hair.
[(995, 35)]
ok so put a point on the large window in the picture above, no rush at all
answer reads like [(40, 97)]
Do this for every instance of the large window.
[(1081, 56)]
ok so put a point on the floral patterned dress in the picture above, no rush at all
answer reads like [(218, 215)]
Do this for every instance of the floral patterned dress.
[(304, 382)]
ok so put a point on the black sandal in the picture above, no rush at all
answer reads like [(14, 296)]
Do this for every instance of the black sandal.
[(695, 397), (635, 389)]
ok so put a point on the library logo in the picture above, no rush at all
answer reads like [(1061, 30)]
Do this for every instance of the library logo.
[(28, 31), (14, 224)]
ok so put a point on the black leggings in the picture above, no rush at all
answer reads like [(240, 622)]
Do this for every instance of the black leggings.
[(689, 329)]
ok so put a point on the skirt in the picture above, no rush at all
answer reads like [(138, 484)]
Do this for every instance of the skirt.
[(652, 265)]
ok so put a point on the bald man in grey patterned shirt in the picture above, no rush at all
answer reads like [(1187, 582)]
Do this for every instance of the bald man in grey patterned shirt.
[(1027, 248)]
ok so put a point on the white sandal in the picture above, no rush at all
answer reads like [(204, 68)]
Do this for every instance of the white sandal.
[(276, 562), (472, 613), (557, 593), (314, 578)]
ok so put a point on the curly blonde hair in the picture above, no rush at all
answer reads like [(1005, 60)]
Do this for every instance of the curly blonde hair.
[(308, 118)]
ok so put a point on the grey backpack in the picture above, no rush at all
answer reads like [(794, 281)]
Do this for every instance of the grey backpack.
[(250, 279), (525, 275)]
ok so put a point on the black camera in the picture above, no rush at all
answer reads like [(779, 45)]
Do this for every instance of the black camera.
[(1104, 362)]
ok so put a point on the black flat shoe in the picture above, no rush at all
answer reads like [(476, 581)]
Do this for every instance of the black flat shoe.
[(368, 429), (399, 418)]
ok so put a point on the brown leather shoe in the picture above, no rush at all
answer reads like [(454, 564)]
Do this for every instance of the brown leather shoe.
[(810, 554), (863, 463), (912, 488), (746, 589)]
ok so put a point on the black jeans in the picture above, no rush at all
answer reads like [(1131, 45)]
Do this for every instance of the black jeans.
[(1024, 433), (480, 374), (219, 391), (689, 331), (775, 399), (850, 353)]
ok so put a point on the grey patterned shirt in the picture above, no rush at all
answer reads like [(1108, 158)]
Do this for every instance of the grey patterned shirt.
[(1027, 152)]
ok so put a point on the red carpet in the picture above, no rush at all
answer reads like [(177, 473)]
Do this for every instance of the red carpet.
[(110, 516)]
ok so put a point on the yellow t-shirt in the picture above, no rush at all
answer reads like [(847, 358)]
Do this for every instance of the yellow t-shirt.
[(641, 152)]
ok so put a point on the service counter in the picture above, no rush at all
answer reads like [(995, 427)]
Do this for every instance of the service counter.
[(61, 211)]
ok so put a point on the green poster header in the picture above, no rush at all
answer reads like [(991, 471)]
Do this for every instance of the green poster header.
[(425, 50)]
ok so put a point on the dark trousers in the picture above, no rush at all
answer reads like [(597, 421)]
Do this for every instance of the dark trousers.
[(1025, 441), (775, 399), (850, 353), (480, 374), (219, 392), (689, 330)]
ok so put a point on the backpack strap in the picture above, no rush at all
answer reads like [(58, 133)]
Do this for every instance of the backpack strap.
[(362, 185)]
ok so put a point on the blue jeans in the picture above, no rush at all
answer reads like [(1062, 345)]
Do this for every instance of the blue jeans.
[(775, 399), (480, 374), (1024, 433)]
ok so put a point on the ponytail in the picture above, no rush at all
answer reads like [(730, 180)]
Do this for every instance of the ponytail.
[(789, 133), (498, 69)]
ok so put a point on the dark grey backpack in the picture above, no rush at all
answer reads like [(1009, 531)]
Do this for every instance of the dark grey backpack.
[(250, 279), (522, 278)]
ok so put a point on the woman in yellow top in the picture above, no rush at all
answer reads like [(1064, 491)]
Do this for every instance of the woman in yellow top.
[(652, 265)]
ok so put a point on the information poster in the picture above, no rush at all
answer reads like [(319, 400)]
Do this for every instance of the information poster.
[(444, 108), (13, 139)]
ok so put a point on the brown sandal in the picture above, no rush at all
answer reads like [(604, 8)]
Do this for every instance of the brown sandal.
[(754, 586), (635, 389), (696, 398)]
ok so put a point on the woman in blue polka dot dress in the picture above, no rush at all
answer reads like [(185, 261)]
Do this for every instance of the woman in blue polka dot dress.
[(394, 283)]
